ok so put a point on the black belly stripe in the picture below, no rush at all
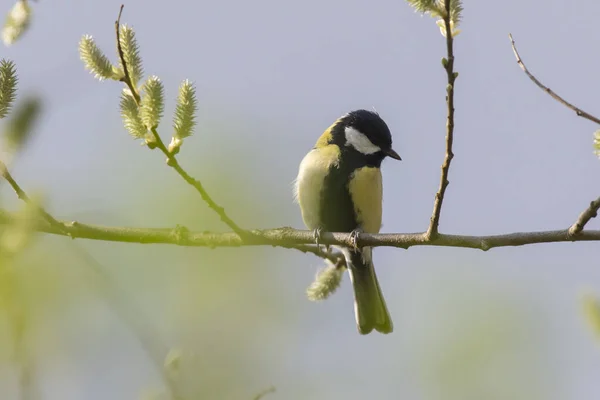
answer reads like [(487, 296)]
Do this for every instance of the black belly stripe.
[(336, 209)]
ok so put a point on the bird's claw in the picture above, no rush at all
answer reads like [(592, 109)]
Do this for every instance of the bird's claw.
[(317, 235), (354, 235)]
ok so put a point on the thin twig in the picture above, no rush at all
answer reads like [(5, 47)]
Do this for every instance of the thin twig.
[(178, 234), (592, 210), (126, 77), (23, 196), (300, 239), (173, 163), (171, 159), (432, 231), (546, 89), (584, 217), (264, 392)]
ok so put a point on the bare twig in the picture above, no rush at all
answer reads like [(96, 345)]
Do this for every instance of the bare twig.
[(171, 159), (432, 231), (546, 89), (592, 210), (584, 217), (301, 239), (126, 77), (264, 392)]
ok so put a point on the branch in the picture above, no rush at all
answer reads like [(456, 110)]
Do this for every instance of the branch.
[(300, 239), (178, 235), (171, 159), (23, 196), (592, 210), (448, 64), (584, 217), (546, 89)]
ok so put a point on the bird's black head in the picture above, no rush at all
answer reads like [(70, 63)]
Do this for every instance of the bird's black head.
[(365, 132)]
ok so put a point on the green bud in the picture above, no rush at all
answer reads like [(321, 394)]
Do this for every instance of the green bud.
[(17, 22), (8, 86), (326, 282), (152, 104), (185, 111), (130, 113), (131, 53), (94, 60)]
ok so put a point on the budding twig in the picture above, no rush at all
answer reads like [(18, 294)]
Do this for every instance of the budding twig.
[(171, 158), (432, 231), (584, 217)]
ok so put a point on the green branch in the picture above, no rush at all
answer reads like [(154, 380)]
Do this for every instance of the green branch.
[(299, 239)]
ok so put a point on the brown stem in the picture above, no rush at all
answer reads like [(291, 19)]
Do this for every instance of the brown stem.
[(171, 159), (584, 217), (301, 239), (433, 229), (546, 89)]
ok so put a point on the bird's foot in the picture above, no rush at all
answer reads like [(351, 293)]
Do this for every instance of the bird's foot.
[(354, 235), (317, 235)]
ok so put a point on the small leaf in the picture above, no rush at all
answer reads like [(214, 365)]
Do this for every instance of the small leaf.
[(130, 113), (8, 86), (152, 105), (131, 53), (95, 61)]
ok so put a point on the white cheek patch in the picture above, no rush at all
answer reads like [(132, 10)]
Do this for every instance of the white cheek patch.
[(360, 141)]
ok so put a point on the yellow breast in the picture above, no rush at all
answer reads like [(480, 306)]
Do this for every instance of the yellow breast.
[(313, 169), (366, 190)]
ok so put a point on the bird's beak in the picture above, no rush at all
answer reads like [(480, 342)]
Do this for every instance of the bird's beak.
[(391, 153)]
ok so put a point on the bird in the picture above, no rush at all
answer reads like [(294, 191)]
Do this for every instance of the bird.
[(339, 189)]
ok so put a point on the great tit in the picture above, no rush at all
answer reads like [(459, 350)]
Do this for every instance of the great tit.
[(339, 189)]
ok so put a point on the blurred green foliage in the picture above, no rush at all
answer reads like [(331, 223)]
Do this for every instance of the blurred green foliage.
[(215, 309)]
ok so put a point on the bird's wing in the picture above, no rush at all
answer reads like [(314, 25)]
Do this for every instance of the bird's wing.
[(314, 168)]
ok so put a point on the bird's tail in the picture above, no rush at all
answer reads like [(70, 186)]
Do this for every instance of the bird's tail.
[(369, 305)]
